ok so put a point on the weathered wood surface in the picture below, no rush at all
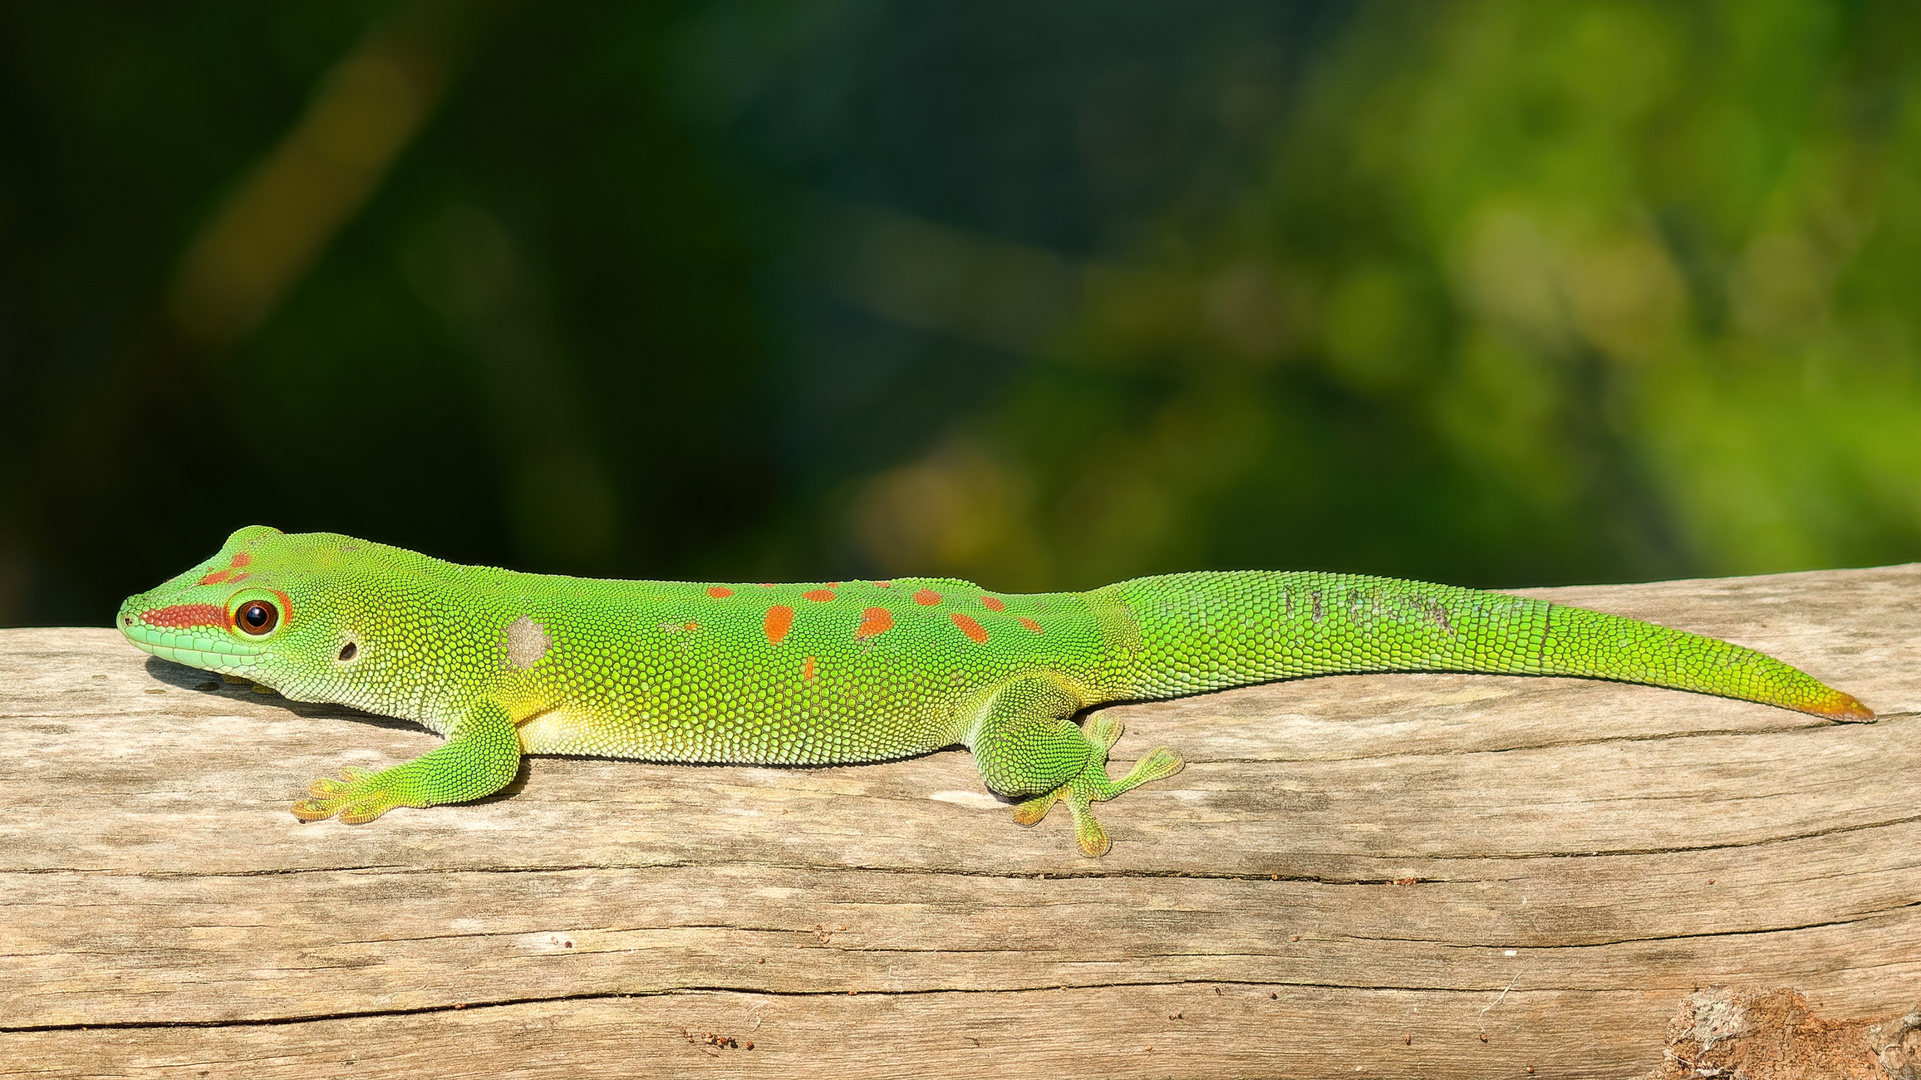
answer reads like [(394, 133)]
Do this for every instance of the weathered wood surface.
[(1403, 875)]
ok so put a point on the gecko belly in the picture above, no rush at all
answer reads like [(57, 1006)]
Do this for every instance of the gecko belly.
[(737, 739)]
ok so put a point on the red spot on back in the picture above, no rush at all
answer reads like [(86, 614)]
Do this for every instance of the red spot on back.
[(780, 619), (992, 604), (691, 626), (927, 598), (1030, 624), (885, 584), (807, 669), (818, 595), (183, 616), (969, 627), (719, 592), (874, 622)]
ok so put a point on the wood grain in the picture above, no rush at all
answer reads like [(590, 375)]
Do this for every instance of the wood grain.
[(1392, 875)]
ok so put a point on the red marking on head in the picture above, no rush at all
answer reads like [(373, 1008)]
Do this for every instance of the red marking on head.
[(833, 584), (719, 592), (969, 627), (992, 604), (286, 607), (1030, 624), (184, 616), (818, 595), (807, 669), (927, 598), (780, 619), (885, 584), (874, 622), (240, 559), (766, 584), (238, 578)]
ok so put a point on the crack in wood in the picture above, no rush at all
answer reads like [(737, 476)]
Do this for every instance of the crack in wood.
[(755, 991)]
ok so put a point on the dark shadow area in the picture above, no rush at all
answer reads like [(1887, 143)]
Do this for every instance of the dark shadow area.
[(194, 679)]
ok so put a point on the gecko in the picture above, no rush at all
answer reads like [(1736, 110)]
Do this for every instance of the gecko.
[(503, 663)]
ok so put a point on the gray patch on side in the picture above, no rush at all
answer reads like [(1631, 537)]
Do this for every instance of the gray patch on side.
[(527, 642)]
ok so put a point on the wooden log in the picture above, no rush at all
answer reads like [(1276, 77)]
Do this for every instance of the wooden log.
[(1400, 875)]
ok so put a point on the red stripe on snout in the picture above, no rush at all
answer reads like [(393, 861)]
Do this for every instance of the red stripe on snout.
[(182, 616)]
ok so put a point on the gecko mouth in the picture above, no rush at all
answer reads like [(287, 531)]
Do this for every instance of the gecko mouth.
[(204, 649)]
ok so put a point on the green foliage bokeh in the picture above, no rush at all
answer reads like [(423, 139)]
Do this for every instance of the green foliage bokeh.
[(1494, 292)]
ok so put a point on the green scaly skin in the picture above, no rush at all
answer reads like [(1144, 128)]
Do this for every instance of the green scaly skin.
[(503, 663)]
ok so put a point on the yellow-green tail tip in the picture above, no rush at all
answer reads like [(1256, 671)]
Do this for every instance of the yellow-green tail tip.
[(1840, 706)]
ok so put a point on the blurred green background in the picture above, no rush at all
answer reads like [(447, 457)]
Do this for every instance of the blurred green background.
[(1041, 294)]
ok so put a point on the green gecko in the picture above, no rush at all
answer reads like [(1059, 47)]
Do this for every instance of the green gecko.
[(504, 664)]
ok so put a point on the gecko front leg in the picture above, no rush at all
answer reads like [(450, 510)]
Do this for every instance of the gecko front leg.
[(481, 756)]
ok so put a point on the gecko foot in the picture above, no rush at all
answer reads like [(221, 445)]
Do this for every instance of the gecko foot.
[(1094, 785), (359, 796)]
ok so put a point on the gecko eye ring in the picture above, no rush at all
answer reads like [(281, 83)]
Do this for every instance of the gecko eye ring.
[(257, 617)]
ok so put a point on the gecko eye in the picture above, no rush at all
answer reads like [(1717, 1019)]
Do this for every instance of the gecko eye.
[(257, 617)]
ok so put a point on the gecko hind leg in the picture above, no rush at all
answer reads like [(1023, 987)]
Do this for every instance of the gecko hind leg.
[(1094, 785), (1026, 745)]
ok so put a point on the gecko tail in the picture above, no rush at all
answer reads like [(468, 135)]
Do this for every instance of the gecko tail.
[(1597, 645), (1210, 630), (1837, 706)]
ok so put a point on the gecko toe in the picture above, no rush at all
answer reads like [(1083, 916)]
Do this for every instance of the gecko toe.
[(315, 809), (358, 796), (1030, 813), (363, 810), (1092, 838)]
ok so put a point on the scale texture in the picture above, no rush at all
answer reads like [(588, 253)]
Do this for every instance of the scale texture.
[(505, 663)]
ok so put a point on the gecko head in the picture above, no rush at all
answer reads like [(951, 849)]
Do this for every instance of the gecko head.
[(253, 610)]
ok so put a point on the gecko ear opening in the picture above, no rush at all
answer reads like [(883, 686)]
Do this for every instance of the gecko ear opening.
[(349, 651)]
